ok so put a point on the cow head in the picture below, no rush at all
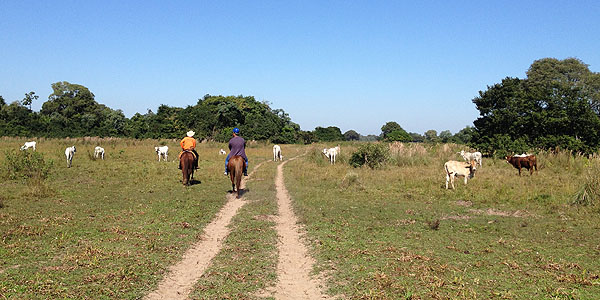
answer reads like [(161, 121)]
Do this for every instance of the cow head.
[(156, 149), (472, 168)]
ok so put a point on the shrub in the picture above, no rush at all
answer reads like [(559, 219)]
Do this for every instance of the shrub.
[(374, 155), (589, 193), (26, 165)]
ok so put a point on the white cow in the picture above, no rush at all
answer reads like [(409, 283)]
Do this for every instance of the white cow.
[(458, 168), (468, 156), (99, 151), (162, 151), (222, 152), (331, 153), (277, 153), (28, 145), (69, 152)]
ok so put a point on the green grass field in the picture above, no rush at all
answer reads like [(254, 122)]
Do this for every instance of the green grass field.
[(109, 229)]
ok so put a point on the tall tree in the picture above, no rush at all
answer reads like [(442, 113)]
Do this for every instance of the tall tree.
[(329, 134), (555, 106), (351, 135), (392, 132)]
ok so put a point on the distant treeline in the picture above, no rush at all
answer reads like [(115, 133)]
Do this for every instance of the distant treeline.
[(556, 106), (72, 111)]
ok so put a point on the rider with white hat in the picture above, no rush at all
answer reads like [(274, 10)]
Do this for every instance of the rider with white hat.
[(188, 143)]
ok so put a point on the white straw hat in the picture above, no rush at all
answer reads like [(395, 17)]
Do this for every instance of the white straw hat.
[(190, 133)]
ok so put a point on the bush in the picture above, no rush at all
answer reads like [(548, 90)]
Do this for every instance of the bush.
[(589, 193), (374, 155), (26, 165)]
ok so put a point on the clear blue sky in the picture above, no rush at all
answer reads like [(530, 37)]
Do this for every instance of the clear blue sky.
[(351, 64)]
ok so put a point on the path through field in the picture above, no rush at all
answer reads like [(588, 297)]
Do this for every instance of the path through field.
[(183, 275), (295, 263)]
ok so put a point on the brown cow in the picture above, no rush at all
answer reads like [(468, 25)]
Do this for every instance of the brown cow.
[(527, 162)]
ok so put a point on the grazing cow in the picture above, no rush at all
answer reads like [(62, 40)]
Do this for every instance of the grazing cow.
[(458, 168), (69, 152), (277, 153), (28, 145), (528, 162), (468, 156), (99, 151), (332, 153), (162, 152), (222, 152)]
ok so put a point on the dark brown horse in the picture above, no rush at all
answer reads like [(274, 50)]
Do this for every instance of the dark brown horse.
[(186, 161), (235, 167)]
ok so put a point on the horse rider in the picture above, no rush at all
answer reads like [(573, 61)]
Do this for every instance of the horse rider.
[(237, 146), (188, 143)]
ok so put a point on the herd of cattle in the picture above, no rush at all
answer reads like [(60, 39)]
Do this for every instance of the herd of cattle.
[(453, 168), (467, 168)]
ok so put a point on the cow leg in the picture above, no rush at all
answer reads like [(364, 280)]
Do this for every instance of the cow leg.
[(466, 177), (447, 179), (452, 180)]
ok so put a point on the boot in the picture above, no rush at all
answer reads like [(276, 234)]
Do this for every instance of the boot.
[(245, 171), (226, 172)]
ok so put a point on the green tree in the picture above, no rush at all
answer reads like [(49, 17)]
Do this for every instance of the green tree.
[(445, 136), (416, 137), (464, 136), (351, 135), (555, 106), (329, 134), (28, 100), (431, 136), (392, 131), (72, 110)]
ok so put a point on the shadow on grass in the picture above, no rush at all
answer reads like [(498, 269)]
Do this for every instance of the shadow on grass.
[(242, 191)]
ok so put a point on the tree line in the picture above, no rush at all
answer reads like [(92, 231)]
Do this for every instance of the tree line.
[(72, 111), (556, 106)]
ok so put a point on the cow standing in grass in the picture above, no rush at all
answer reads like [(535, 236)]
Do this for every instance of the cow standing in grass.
[(277, 153), (162, 152), (469, 156), (69, 153), (332, 153), (528, 162), (99, 152), (458, 168)]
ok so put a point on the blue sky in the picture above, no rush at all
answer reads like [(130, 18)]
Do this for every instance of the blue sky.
[(351, 64)]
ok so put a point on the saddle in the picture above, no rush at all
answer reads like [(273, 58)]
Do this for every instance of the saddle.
[(190, 151)]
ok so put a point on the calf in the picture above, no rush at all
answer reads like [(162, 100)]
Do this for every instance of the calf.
[(331, 153), (69, 152), (222, 152), (277, 153), (99, 151), (162, 152), (528, 162), (468, 156), (28, 145), (458, 168)]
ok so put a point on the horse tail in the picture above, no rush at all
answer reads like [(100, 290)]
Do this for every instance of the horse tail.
[(235, 166), (187, 166)]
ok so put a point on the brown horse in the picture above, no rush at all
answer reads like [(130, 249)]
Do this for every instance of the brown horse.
[(235, 167), (187, 166)]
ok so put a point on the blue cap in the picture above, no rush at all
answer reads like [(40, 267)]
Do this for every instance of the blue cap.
[(236, 130)]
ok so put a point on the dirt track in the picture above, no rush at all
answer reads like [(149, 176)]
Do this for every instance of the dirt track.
[(183, 275), (295, 263), (293, 269)]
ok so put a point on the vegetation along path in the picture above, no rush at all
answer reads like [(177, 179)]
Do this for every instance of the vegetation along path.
[(294, 281), (182, 276)]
